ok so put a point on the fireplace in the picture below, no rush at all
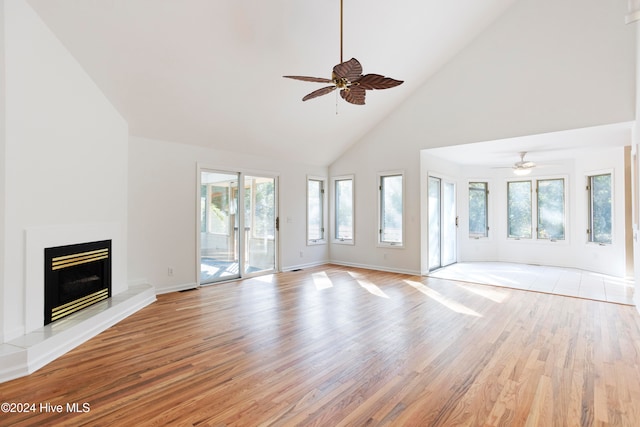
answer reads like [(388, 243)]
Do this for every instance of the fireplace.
[(76, 276)]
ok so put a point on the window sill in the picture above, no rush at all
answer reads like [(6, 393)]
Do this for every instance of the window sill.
[(605, 245), (343, 242), (390, 245), (532, 241)]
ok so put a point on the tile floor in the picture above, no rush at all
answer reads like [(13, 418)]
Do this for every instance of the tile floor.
[(555, 280)]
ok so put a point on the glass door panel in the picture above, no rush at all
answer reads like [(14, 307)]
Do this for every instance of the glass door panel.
[(259, 235), (219, 244), (435, 235), (449, 235), (442, 223)]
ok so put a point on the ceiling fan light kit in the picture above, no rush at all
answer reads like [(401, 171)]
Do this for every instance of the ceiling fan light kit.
[(520, 168), (347, 76), (523, 167), (521, 172)]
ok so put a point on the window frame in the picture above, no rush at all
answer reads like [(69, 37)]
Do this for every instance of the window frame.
[(334, 214), (531, 213), (535, 208), (485, 235), (381, 176), (564, 209), (590, 215), (323, 210)]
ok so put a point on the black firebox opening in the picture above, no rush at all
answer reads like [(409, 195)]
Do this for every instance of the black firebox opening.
[(76, 276)]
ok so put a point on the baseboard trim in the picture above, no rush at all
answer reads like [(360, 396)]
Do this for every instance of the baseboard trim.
[(303, 266), (176, 288), (377, 268)]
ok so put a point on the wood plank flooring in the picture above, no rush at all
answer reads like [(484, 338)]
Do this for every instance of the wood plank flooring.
[(339, 346)]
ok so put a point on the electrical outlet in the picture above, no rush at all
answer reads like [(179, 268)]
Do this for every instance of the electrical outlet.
[(301, 254), (169, 271)]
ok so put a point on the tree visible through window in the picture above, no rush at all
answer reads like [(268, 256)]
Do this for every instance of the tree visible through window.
[(478, 225), (344, 209), (519, 209), (600, 208), (548, 206), (550, 209), (391, 207), (315, 210)]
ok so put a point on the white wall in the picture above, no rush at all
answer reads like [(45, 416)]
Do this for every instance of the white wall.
[(65, 158), (544, 66), (163, 203), (574, 251), (365, 165), (2, 167), (636, 177)]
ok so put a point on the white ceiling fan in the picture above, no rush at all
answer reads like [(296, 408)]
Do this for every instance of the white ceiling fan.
[(523, 167)]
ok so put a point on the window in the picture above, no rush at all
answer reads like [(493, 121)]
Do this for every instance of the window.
[(391, 207), (550, 200), (315, 210), (600, 208), (548, 206), (344, 218), (519, 209), (478, 211)]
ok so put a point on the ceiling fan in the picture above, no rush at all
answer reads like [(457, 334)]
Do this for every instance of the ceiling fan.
[(523, 167), (347, 76)]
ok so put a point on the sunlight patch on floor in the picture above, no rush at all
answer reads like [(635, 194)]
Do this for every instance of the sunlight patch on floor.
[(445, 301), (321, 280), (369, 286), (493, 295), (267, 278)]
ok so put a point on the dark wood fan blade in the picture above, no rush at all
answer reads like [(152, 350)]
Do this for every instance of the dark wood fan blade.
[(353, 95), (319, 92), (309, 79), (350, 70), (376, 81)]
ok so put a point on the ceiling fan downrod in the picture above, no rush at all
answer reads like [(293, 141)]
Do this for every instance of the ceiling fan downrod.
[(341, 32)]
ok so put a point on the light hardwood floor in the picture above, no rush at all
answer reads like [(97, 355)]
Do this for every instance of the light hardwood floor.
[(338, 346)]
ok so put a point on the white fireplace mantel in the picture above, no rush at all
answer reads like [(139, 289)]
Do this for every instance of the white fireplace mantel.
[(39, 238), (41, 344)]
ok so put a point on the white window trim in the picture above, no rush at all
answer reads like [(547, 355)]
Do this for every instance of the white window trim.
[(488, 210), (323, 241), (334, 213), (534, 208), (587, 175), (379, 177)]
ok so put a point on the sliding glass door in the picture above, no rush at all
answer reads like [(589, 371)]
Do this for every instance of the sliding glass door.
[(235, 242), (435, 228), (442, 222), (219, 243), (259, 224), (449, 223)]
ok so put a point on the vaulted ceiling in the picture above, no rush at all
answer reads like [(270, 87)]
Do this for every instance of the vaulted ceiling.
[(209, 72)]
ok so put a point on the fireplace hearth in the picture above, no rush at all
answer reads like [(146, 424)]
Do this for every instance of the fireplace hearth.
[(76, 276)]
